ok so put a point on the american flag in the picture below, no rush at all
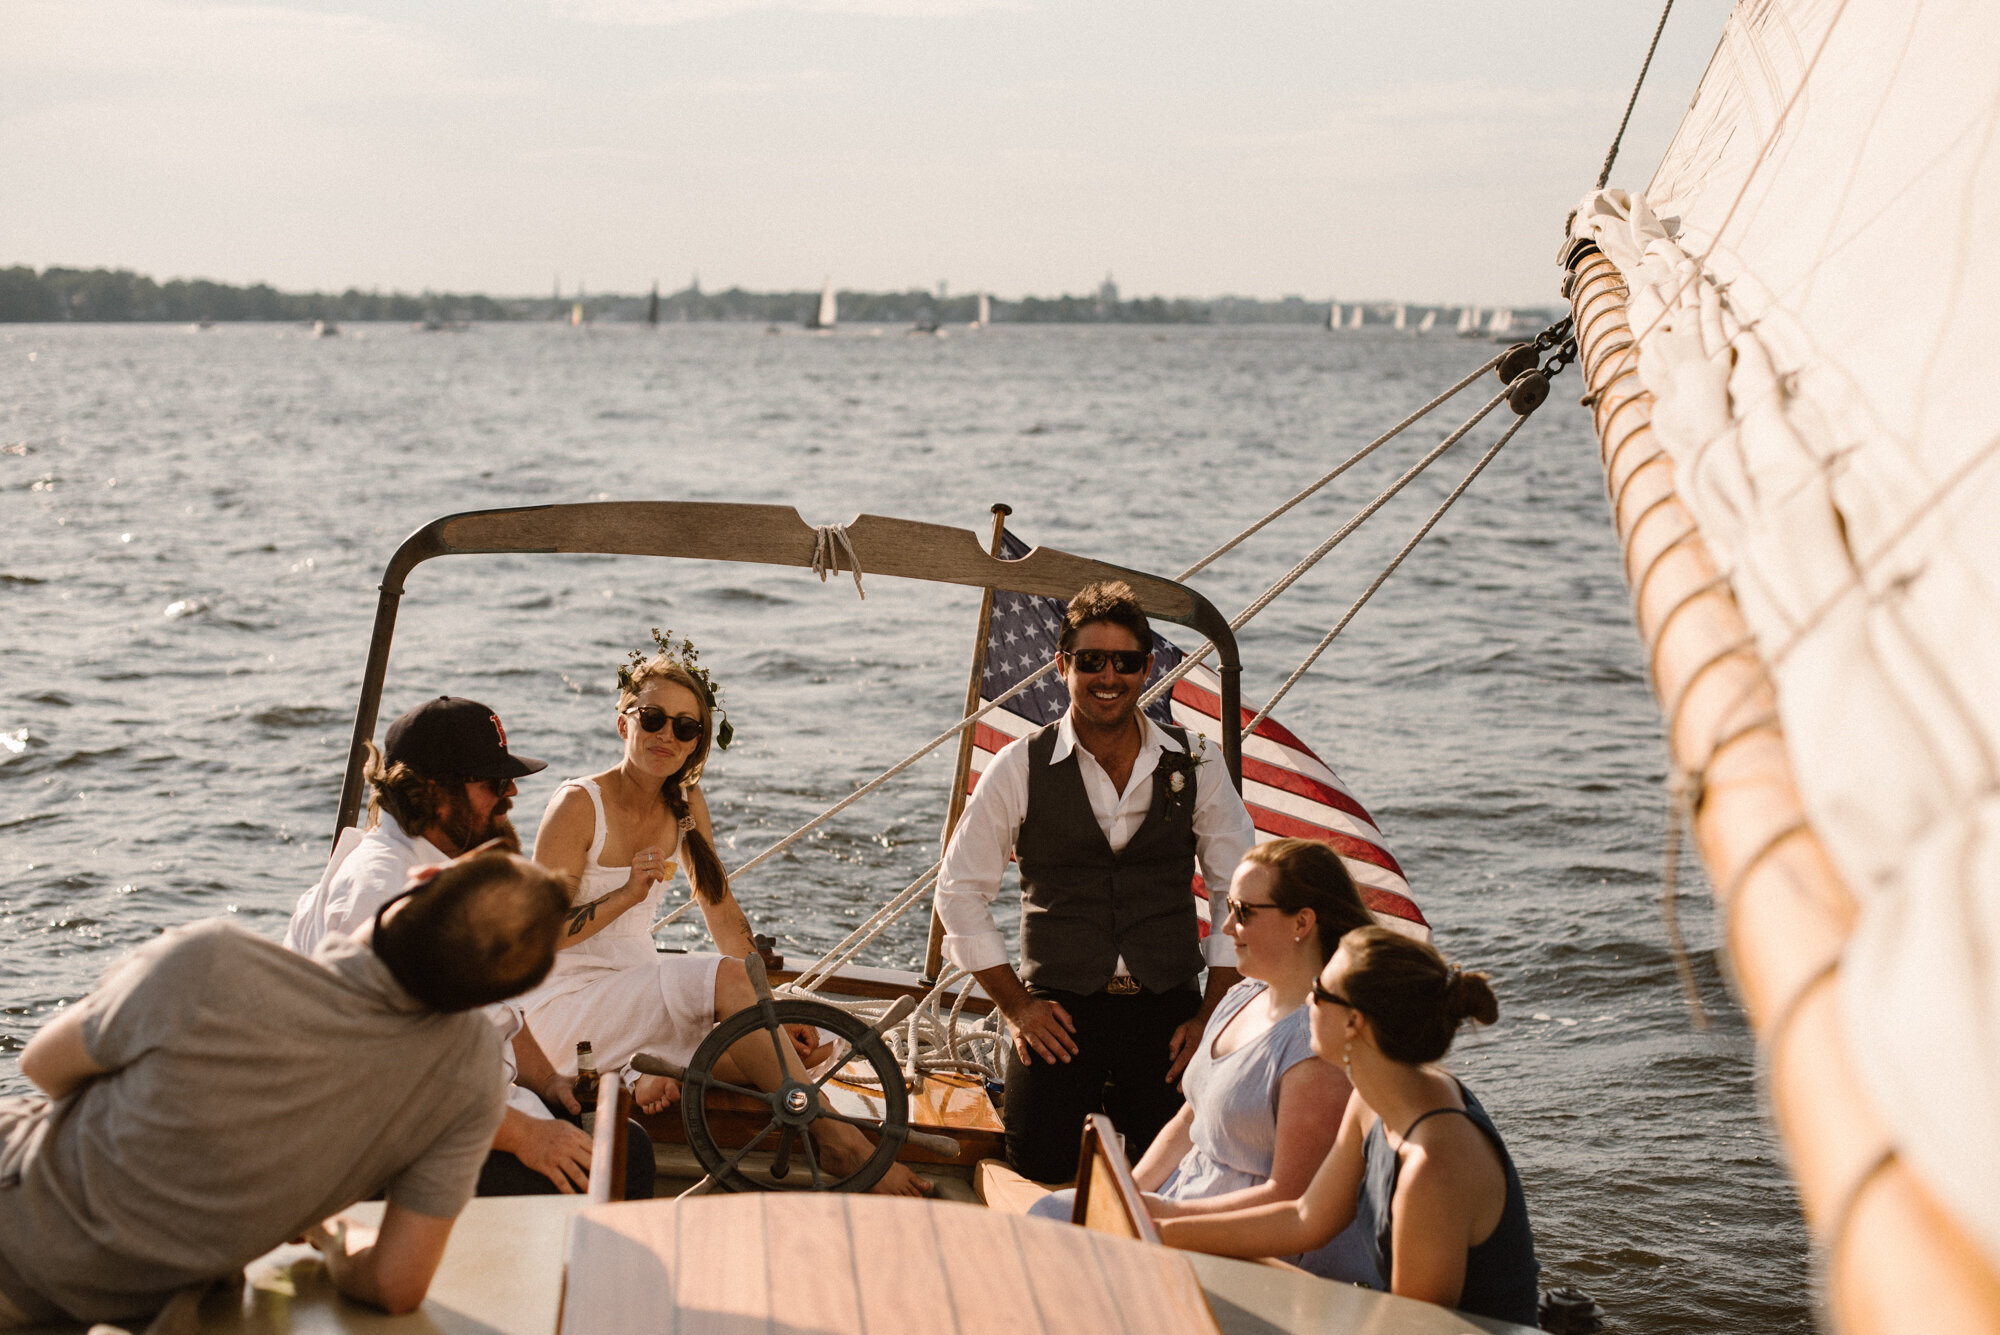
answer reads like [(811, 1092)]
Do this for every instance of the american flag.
[(1290, 791)]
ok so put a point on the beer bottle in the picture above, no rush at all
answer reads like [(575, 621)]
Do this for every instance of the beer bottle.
[(586, 1083)]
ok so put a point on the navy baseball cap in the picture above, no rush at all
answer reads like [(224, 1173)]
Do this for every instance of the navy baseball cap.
[(453, 735)]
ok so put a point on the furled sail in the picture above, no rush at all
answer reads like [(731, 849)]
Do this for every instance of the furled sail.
[(1812, 275)]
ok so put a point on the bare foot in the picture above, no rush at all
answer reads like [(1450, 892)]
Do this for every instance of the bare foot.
[(900, 1181), (844, 1149)]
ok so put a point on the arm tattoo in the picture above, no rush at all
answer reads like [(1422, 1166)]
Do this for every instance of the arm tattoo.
[(583, 915)]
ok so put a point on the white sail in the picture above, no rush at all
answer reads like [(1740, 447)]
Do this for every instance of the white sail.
[(1354, 317), (1429, 322), (1333, 315), (985, 316), (1501, 323), (1398, 320), (828, 313), (1468, 320), (1813, 275)]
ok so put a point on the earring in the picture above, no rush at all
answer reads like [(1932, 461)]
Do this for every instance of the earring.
[(1347, 1059)]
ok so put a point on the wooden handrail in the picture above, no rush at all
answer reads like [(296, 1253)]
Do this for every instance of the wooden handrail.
[(767, 535)]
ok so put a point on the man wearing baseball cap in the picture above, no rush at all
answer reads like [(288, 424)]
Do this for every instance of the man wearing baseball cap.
[(443, 784)]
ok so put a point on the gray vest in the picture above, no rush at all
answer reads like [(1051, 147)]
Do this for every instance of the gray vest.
[(1082, 905)]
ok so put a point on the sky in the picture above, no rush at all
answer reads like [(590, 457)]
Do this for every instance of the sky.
[(1424, 151)]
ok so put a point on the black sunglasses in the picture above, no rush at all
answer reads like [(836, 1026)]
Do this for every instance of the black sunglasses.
[(1243, 912), (1090, 662), (652, 718), (1330, 998)]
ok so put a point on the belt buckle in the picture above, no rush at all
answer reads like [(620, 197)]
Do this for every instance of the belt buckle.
[(1123, 985)]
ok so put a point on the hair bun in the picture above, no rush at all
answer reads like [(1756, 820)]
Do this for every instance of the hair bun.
[(1469, 996)]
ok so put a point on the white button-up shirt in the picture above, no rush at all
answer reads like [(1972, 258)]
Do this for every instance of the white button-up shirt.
[(366, 870), (984, 842)]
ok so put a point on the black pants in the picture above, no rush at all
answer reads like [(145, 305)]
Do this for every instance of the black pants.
[(1119, 1068), (504, 1175)]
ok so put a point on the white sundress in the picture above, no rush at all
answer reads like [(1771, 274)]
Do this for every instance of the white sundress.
[(615, 990)]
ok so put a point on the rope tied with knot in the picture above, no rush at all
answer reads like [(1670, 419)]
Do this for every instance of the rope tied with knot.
[(830, 542)]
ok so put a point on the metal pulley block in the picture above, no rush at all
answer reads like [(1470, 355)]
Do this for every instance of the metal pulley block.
[(1528, 390), (1518, 358)]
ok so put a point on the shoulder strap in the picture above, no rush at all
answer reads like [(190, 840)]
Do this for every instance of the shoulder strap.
[(1422, 1118), (603, 828)]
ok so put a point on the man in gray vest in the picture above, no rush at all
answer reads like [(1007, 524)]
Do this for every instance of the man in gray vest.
[(1108, 814)]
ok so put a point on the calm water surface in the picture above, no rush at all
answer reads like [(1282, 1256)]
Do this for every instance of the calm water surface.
[(194, 525)]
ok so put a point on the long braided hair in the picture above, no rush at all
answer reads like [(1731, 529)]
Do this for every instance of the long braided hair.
[(705, 869)]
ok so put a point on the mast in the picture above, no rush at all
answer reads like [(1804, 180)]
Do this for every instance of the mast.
[(961, 771)]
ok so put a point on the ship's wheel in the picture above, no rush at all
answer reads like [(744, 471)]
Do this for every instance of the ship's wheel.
[(860, 1057)]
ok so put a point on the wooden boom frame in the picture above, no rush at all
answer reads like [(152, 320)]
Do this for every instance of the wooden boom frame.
[(768, 535)]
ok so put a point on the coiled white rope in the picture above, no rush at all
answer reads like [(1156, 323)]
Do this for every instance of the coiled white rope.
[(830, 542)]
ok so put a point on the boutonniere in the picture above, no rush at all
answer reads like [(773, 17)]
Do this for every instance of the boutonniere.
[(1178, 766)]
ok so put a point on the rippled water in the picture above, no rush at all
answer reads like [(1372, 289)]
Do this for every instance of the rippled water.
[(194, 526)]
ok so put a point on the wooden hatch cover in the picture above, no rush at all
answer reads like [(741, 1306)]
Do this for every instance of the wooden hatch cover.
[(833, 1264)]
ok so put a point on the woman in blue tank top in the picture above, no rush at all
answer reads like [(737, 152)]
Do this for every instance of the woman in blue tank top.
[(1417, 1162)]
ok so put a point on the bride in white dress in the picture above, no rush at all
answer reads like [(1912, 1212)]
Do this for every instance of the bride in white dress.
[(617, 838)]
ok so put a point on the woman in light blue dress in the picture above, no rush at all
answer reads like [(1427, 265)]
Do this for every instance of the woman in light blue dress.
[(1261, 1113)]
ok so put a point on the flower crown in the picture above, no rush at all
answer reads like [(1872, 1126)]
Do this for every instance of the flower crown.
[(690, 658)]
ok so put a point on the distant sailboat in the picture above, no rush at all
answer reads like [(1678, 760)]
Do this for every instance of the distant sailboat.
[(1429, 321), (576, 316), (1354, 317), (1502, 323), (1468, 322), (1398, 321), (653, 306), (985, 316), (828, 313), (1333, 316)]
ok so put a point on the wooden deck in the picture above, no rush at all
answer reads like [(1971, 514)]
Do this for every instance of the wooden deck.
[(845, 1265), (503, 1274)]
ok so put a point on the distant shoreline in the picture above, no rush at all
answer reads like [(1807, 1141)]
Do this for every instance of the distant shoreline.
[(119, 296)]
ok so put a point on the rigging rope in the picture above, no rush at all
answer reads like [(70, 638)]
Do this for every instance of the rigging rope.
[(1345, 464), (830, 542), (1633, 101), (1382, 578), (1188, 664), (827, 535), (931, 1043)]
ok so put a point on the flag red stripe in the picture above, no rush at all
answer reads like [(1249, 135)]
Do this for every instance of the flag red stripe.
[(1304, 785), (1347, 845), (1391, 903), (1209, 703), (989, 739)]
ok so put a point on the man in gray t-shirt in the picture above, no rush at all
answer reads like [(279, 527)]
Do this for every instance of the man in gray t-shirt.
[(219, 1094)]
